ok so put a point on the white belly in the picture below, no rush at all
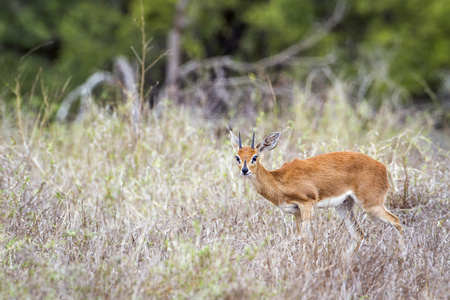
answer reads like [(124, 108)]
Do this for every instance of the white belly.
[(334, 201), (290, 208)]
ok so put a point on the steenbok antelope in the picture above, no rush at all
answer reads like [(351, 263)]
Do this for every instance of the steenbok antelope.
[(338, 180)]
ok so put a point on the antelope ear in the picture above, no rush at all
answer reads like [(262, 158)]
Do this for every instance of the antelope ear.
[(269, 142), (234, 140)]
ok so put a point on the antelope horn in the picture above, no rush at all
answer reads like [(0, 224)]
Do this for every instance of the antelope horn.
[(253, 140), (240, 141)]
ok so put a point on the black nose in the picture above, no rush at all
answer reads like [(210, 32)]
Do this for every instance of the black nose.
[(244, 170)]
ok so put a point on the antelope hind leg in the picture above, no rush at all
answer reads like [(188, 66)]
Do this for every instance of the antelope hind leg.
[(345, 212)]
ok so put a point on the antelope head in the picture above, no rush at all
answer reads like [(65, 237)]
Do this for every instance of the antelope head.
[(247, 157)]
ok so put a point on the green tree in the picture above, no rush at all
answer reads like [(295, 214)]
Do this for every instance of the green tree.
[(72, 39), (415, 34)]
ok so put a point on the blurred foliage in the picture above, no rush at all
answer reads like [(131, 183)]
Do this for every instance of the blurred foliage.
[(414, 34), (72, 39)]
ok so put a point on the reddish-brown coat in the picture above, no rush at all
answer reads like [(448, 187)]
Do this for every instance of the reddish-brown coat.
[(320, 177)]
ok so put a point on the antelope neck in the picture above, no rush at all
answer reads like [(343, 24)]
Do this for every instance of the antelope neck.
[(265, 184)]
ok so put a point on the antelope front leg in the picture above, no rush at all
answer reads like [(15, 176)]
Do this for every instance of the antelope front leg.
[(303, 218), (299, 222)]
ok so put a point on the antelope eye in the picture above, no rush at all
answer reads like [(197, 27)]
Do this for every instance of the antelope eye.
[(238, 159), (254, 159)]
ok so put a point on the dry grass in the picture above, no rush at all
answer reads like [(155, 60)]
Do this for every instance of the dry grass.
[(86, 212)]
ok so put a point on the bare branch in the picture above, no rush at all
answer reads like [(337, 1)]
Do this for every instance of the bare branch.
[(313, 39), (84, 92), (284, 57), (124, 77)]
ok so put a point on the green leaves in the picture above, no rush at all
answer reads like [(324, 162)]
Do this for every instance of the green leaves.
[(73, 39), (419, 52)]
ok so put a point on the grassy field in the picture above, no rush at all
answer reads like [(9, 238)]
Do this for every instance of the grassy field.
[(89, 212)]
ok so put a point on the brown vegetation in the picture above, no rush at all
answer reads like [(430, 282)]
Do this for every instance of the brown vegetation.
[(87, 211)]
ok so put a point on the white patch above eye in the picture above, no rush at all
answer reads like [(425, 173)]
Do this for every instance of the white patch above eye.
[(238, 159)]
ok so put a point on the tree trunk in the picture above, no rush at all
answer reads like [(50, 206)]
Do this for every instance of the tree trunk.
[(174, 48)]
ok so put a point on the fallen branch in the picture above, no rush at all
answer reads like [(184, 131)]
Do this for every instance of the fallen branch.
[(123, 77), (83, 92)]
